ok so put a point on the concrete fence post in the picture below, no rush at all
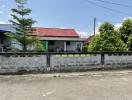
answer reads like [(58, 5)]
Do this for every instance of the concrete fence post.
[(48, 55), (102, 58)]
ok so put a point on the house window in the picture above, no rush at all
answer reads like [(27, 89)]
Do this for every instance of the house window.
[(68, 43), (51, 42)]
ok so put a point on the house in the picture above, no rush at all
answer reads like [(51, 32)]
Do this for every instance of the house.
[(53, 39), (4, 42), (57, 39)]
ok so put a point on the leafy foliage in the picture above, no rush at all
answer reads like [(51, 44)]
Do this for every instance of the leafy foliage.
[(107, 40), (126, 32), (129, 43)]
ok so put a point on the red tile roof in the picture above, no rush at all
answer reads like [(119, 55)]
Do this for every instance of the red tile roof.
[(55, 32)]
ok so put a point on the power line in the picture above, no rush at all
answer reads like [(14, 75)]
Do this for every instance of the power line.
[(113, 10), (118, 4)]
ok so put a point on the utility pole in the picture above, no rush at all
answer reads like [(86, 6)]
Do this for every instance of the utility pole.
[(94, 26)]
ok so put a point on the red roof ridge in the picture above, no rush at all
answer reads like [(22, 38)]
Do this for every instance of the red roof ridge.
[(55, 32)]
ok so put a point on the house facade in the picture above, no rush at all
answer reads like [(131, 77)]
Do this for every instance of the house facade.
[(59, 40)]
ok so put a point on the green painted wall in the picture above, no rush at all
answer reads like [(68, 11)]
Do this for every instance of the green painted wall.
[(45, 45)]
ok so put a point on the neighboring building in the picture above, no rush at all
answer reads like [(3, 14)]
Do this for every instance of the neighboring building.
[(4, 42), (56, 39), (88, 40)]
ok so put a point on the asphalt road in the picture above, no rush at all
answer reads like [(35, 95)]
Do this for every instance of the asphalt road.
[(89, 87)]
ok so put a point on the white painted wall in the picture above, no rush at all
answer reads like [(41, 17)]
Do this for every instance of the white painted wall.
[(14, 64), (75, 60), (71, 47), (116, 59), (62, 62)]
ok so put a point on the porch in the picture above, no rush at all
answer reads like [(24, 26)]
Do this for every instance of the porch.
[(62, 44)]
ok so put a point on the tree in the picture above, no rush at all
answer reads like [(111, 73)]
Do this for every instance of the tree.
[(23, 26), (126, 32), (129, 43), (107, 40)]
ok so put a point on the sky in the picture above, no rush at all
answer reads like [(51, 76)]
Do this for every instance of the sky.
[(73, 14)]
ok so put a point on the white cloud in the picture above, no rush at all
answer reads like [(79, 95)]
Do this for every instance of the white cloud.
[(117, 26), (96, 29), (98, 23), (1, 9), (3, 6), (127, 18), (83, 34), (62, 27), (9, 16), (1, 12), (1, 22)]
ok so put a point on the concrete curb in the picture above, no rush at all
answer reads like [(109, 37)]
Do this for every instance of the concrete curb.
[(74, 74), (89, 73)]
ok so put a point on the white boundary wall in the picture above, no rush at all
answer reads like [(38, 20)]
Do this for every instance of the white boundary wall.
[(118, 59), (17, 63), (61, 62), (66, 62)]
